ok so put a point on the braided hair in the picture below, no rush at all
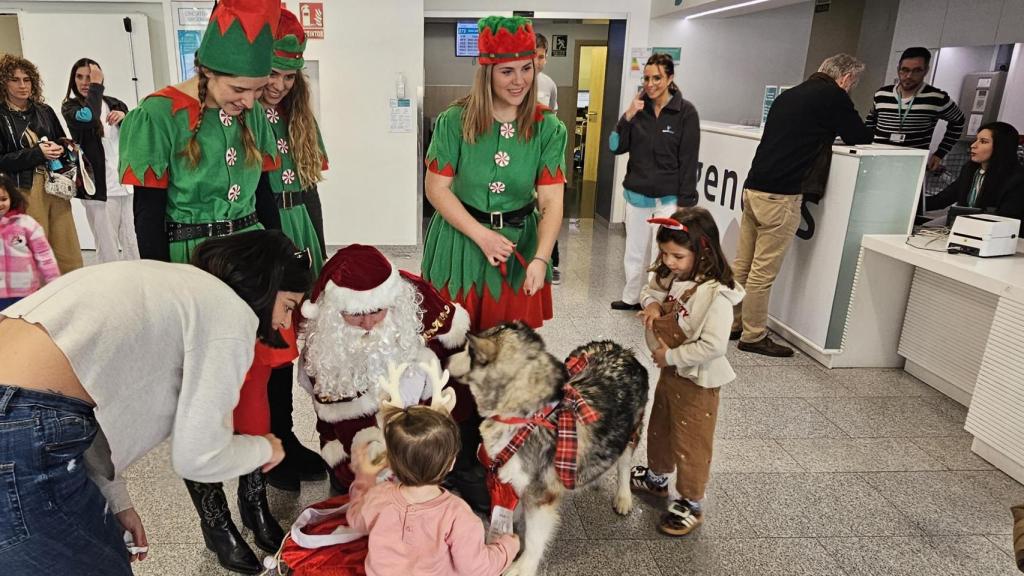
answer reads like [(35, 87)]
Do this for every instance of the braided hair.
[(192, 151)]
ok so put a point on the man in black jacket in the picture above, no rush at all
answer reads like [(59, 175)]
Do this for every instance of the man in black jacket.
[(801, 126)]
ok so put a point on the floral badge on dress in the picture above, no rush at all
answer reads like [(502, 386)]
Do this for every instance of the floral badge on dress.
[(282, 145), (234, 192), (231, 156), (288, 176), (225, 118), (497, 187), (272, 115), (502, 159), (507, 130)]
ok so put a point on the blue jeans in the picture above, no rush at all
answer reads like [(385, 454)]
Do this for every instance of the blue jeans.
[(5, 302), (55, 520)]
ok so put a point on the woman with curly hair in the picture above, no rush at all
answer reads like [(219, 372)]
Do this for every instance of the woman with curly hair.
[(29, 131)]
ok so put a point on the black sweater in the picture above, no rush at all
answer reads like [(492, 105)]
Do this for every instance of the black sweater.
[(17, 159), (1004, 197), (87, 133), (802, 122), (662, 150)]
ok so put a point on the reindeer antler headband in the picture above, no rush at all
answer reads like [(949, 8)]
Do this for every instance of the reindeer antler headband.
[(670, 223), (440, 398)]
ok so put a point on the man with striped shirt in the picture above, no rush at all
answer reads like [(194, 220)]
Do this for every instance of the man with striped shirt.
[(905, 113)]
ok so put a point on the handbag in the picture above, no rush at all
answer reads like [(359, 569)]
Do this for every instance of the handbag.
[(59, 183)]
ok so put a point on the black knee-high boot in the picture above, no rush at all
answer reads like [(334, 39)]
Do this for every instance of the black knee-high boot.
[(219, 532), (255, 511), (300, 463)]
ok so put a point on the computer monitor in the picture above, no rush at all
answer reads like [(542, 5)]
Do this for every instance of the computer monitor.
[(466, 34)]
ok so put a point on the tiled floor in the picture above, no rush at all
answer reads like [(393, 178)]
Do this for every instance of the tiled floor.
[(816, 472)]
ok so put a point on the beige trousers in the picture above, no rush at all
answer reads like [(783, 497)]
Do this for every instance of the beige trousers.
[(769, 223), (54, 215)]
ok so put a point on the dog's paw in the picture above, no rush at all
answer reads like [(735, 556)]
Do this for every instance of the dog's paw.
[(623, 504)]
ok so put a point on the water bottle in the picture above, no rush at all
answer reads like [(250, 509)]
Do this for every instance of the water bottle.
[(55, 164)]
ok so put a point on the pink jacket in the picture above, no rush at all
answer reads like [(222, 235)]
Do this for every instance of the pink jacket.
[(25, 255), (439, 537)]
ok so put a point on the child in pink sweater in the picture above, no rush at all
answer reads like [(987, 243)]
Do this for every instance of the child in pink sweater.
[(415, 526), (25, 255)]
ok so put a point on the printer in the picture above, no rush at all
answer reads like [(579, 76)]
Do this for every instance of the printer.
[(983, 235)]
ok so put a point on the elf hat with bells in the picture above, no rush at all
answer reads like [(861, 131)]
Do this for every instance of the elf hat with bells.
[(289, 43), (505, 39)]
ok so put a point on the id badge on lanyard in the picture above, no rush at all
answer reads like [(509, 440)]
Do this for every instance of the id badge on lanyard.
[(899, 137)]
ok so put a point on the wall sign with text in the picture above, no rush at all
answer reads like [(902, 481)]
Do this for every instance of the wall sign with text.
[(559, 45), (311, 15)]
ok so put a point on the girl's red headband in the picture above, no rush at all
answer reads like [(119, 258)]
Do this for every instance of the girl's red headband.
[(670, 223)]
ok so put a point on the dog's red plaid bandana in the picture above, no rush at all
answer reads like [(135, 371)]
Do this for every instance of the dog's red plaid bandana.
[(561, 418)]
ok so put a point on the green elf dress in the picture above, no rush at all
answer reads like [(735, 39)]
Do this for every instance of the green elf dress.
[(497, 173), (287, 185), (221, 188)]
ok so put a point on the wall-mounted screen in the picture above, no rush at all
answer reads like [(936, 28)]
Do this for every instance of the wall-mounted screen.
[(466, 34)]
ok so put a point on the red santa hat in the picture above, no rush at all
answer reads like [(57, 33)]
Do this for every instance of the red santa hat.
[(360, 279)]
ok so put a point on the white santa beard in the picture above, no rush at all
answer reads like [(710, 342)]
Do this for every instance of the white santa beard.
[(347, 361)]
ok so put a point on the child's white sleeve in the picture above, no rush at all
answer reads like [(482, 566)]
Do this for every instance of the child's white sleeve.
[(652, 293), (713, 341)]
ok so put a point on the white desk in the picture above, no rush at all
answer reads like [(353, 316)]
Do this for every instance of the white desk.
[(954, 321), (871, 189)]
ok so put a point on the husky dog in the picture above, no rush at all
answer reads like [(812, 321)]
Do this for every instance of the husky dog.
[(512, 375)]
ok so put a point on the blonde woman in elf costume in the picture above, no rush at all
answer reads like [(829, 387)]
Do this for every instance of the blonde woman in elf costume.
[(288, 107), (197, 154), (489, 245), (495, 174)]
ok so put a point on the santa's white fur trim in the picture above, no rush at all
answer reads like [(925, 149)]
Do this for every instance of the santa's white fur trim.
[(365, 405), (373, 438), (456, 337), (333, 453), (310, 310), (362, 301)]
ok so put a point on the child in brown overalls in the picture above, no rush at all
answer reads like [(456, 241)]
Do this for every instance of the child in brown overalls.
[(687, 310)]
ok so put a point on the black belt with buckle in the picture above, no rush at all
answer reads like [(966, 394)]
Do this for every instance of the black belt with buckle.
[(498, 220), (179, 232), (287, 200)]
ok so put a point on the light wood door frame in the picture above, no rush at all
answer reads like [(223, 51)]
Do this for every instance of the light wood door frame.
[(575, 94)]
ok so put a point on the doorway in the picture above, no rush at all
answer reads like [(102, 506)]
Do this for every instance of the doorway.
[(589, 86)]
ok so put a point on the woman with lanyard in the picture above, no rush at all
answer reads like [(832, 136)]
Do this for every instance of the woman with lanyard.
[(661, 132), (993, 179), (489, 245), (197, 154), (93, 119), (29, 130), (287, 103)]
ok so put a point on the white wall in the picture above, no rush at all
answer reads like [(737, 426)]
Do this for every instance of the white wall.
[(370, 195), (1012, 109), (636, 12), (156, 11), (726, 62)]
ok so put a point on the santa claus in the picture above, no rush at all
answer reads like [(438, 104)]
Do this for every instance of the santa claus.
[(364, 314)]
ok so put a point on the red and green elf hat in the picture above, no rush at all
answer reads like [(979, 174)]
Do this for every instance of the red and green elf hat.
[(239, 39), (289, 43), (505, 39)]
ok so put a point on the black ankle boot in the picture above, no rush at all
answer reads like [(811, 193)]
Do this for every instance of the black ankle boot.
[(300, 463), (255, 512), (219, 532)]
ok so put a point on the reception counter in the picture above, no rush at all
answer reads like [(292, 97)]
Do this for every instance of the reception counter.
[(952, 320), (872, 189)]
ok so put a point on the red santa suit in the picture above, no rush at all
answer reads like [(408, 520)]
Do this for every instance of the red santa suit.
[(341, 364)]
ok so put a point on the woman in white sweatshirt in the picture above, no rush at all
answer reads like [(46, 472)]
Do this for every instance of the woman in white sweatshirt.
[(104, 364), (688, 313)]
